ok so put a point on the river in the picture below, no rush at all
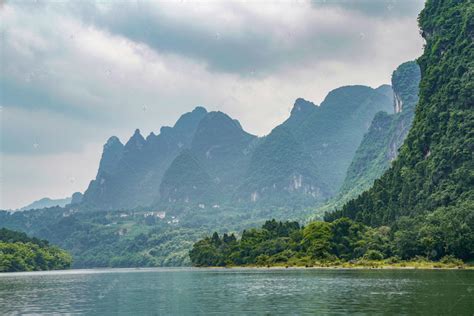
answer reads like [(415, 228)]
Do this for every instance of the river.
[(192, 291)]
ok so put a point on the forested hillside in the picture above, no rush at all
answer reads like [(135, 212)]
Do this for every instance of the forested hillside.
[(18, 252), (433, 173), (303, 161), (386, 134), (423, 206)]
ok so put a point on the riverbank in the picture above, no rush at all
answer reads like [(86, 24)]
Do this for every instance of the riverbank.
[(366, 264)]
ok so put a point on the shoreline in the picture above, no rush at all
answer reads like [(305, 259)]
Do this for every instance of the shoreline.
[(352, 266), (246, 267)]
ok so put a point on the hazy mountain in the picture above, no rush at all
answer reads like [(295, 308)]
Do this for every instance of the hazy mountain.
[(282, 173), (130, 175), (187, 181), (45, 202), (303, 161), (298, 164), (380, 145), (223, 148), (333, 132)]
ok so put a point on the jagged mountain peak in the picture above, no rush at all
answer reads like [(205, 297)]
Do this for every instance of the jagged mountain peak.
[(113, 144), (303, 106), (190, 120), (218, 125), (354, 93), (136, 141), (150, 136)]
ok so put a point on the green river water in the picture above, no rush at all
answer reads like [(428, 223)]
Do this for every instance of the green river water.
[(190, 291)]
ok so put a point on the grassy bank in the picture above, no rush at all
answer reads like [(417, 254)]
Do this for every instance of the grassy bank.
[(391, 263)]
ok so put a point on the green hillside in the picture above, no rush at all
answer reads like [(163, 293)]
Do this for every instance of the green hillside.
[(282, 172), (386, 134), (429, 190), (18, 252), (422, 208), (435, 166)]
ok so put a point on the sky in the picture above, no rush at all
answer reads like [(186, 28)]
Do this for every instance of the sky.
[(72, 74)]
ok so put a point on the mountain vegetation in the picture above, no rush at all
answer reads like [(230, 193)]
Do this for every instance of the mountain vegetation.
[(380, 145), (132, 238), (243, 169), (423, 205), (130, 175), (183, 180), (434, 170), (18, 252), (318, 243), (46, 202)]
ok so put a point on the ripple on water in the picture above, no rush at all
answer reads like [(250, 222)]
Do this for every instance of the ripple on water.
[(204, 291)]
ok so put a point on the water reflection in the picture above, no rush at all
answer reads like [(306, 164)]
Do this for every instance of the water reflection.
[(246, 291)]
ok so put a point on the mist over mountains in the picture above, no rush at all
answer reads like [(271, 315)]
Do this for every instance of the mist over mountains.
[(207, 158)]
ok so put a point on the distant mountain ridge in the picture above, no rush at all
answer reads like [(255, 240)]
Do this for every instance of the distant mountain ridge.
[(301, 162), (76, 198), (380, 145), (130, 175), (45, 202)]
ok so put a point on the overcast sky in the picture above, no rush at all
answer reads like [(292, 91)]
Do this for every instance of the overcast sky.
[(75, 73)]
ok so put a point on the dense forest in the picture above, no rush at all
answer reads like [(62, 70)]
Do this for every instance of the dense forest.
[(318, 243), (424, 204), (18, 252), (434, 169), (380, 145)]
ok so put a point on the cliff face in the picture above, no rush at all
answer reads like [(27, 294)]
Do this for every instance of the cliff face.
[(130, 175), (379, 147), (303, 161), (281, 172), (433, 171), (299, 164)]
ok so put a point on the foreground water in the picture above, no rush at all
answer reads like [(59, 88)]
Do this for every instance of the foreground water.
[(238, 291)]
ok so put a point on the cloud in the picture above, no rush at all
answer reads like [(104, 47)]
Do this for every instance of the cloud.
[(379, 9), (235, 37), (79, 72)]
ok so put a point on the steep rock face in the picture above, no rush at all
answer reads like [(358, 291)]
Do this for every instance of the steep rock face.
[(281, 172), (130, 175), (111, 155), (76, 198), (301, 162), (405, 91), (332, 133), (301, 110), (186, 181), (223, 148), (380, 145), (433, 171)]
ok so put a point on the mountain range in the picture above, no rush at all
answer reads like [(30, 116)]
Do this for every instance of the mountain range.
[(46, 202), (417, 202), (379, 146), (207, 158), (430, 186)]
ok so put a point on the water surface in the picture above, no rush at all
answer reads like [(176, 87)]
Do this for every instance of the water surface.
[(189, 291)]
